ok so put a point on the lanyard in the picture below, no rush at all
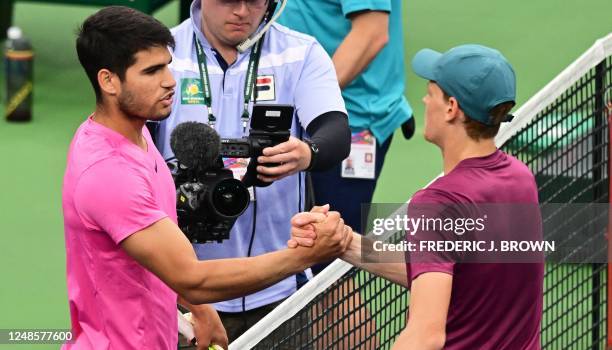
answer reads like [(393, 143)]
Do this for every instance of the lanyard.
[(249, 82)]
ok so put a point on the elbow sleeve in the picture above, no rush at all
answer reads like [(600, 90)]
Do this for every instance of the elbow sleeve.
[(331, 133)]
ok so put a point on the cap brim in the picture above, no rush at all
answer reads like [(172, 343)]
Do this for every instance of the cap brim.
[(424, 62)]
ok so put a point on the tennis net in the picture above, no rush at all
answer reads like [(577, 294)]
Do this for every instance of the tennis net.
[(562, 134)]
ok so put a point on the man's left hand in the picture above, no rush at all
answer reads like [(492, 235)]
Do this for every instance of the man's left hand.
[(292, 156), (208, 328)]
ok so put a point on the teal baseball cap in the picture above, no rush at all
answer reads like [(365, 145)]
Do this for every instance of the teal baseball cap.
[(479, 77)]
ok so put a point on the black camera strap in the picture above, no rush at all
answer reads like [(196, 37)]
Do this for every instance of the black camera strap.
[(249, 83)]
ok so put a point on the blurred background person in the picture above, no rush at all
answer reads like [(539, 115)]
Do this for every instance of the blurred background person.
[(366, 42)]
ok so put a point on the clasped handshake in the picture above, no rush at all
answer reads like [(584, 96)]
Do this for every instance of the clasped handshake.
[(321, 231)]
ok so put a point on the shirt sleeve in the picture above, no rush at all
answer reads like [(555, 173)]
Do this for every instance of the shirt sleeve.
[(317, 91), (429, 204), (117, 198), (351, 6)]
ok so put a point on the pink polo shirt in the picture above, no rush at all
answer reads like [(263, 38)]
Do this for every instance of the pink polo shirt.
[(112, 189)]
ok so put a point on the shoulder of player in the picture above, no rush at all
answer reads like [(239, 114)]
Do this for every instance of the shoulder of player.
[(91, 144), (443, 190), (519, 164), (520, 168), (113, 171), (98, 151)]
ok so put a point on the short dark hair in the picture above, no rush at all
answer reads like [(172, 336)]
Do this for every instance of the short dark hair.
[(477, 130), (110, 38)]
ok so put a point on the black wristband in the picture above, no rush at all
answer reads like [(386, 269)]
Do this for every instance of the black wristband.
[(314, 154)]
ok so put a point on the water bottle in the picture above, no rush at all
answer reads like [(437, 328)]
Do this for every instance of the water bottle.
[(18, 63)]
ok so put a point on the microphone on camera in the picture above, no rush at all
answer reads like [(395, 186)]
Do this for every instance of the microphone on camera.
[(196, 145)]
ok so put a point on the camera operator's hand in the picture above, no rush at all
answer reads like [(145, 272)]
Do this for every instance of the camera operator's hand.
[(292, 156)]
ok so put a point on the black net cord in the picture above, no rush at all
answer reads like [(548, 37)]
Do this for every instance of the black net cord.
[(603, 103), (598, 139)]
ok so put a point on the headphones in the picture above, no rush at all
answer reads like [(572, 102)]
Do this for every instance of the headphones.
[(270, 17), (271, 8)]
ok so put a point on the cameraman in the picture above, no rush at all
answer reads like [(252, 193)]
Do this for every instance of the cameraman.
[(293, 69), (126, 259)]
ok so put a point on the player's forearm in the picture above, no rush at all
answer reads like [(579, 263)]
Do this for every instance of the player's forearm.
[(164, 250), (215, 280), (393, 271), (368, 35)]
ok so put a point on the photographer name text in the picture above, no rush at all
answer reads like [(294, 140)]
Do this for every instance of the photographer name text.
[(465, 246)]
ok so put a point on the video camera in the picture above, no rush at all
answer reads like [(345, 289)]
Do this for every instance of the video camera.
[(270, 126), (209, 199)]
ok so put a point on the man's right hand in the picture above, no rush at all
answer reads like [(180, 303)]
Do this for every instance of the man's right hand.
[(328, 237), (302, 229), (320, 229)]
